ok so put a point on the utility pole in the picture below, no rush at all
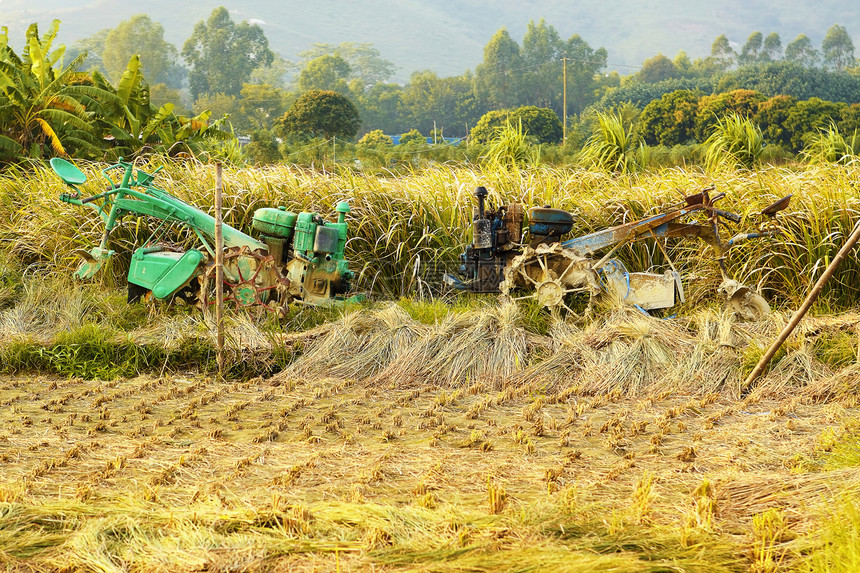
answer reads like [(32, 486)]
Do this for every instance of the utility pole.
[(564, 100)]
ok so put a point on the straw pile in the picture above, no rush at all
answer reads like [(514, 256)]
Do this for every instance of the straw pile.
[(387, 345), (623, 352)]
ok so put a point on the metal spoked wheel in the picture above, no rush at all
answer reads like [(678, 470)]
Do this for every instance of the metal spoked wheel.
[(550, 275), (251, 281)]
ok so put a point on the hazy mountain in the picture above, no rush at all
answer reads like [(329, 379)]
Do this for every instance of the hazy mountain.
[(448, 36)]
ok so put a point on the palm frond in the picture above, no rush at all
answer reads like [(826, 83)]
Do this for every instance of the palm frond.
[(52, 137), (61, 117), (9, 146)]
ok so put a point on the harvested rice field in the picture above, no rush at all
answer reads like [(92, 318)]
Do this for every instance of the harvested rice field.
[(545, 453), (418, 431)]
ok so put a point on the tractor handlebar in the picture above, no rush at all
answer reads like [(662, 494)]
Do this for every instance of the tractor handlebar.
[(726, 215), (143, 178)]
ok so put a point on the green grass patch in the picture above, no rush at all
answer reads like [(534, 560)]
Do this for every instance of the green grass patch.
[(837, 349), (837, 547)]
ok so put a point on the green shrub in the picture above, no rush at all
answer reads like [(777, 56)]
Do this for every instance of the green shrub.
[(376, 138), (412, 136)]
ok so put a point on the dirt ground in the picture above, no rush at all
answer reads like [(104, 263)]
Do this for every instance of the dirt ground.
[(179, 441)]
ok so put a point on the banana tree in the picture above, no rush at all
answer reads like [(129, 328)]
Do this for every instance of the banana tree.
[(43, 105), (135, 125)]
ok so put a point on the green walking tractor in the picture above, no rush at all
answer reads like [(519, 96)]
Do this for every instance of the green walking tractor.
[(298, 257)]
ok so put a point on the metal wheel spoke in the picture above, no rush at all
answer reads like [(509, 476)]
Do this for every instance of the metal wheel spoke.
[(257, 272), (562, 275), (542, 263), (526, 275), (239, 272), (528, 296)]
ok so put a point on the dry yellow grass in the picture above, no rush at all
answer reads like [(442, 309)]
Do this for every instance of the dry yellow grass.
[(308, 472)]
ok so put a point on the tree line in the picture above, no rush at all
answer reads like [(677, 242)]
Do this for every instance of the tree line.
[(226, 70)]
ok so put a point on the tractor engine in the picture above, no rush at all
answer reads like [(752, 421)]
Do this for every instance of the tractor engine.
[(496, 236), (310, 249)]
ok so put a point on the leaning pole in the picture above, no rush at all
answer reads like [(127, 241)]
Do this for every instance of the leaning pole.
[(807, 303)]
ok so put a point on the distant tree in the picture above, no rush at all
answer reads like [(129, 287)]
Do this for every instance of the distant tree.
[(801, 51), (412, 136), (263, 148), (275, 74), (489, 124), (320, 113), (160, 94), (376, 138), (222, 55), (771, 117), (584, 64), (93, 46), (849, 120), (671, 120), (326, 72), (809, 116), (379, 106), (751, 51), (685, 67), (140, 35), (657, 69), (542, 125), (497, 76), (365, 61), (714, 108), (792, 79), (642, 94), (722, 52), (771, 50), (261, 105), (837, 49), (542, 74), (429, 101), (707, 67), (222, 105)]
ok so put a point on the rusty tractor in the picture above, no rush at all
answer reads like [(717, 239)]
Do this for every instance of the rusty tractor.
[(538, 264)]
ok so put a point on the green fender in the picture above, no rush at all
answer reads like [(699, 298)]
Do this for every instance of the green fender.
[(163, 272)]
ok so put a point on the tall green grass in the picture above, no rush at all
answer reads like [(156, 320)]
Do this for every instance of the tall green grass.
[(828, 145), (405, 229), (614, 145), (735, 141)]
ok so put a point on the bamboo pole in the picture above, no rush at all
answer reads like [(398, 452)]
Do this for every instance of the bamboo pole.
[(804, 307), (219, 271)]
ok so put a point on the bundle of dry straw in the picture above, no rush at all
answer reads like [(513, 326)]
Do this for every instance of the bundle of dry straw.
[(623, 352)]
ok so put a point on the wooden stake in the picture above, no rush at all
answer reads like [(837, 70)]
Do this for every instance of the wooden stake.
[(219, 271), (807, 303)]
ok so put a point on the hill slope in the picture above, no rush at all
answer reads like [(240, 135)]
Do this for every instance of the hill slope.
[(448, 36)]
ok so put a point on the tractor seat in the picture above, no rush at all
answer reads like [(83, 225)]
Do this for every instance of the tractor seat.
[(70, 174)]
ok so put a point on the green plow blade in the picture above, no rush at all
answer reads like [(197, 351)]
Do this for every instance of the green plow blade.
[(92, 262)]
